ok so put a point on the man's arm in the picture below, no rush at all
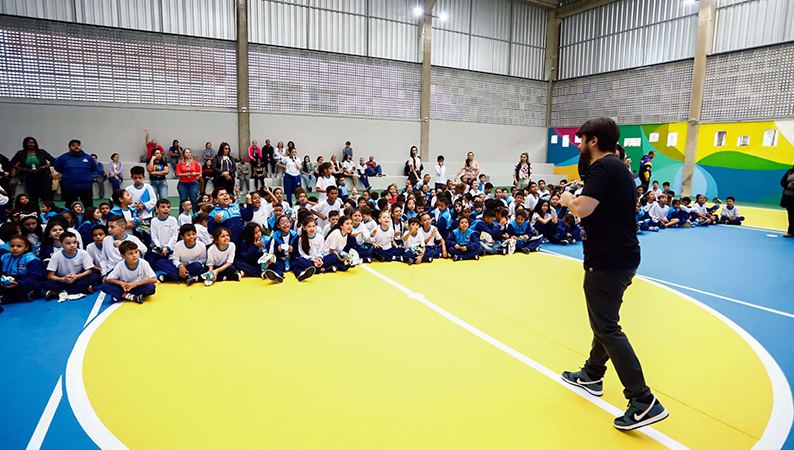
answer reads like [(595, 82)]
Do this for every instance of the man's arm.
[(581, 206)]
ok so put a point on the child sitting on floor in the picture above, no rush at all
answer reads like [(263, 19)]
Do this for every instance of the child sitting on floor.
[(414, 244), (220, 258), (385, 247), (132, 278), (70, 270), (187, 260), (26, 270), (730, 213), (111, 255), (463, 242)]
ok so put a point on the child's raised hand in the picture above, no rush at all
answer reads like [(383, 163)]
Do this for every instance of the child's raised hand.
[(218, 217), (259, 242)]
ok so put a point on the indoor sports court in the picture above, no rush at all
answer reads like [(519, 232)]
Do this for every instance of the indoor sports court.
[(480, 101)]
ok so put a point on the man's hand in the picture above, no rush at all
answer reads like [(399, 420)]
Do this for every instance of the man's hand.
[(566, 198)]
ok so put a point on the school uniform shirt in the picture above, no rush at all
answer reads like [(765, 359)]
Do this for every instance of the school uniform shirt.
[(268, 209), (110, 253), (730, 213), (514, 229), (658, 211), (349, 166), (293, 166), (26, 268), (323, 231), (432, 234), (141, 271), (544, 194), (697, 208), (363, 236), (382, 237), (203, 234), (185, 219), (399, 229), (658, 192), (371, 225), (63, 265), (95, 253), (441, 174), (335, 241), (413, 240), (325, 209), (145, 195), (217, 257), (164, 232), (443, 220), (530, 202), (323, 183), (258, 216), (128, 213), (316, 248), (184, 254)]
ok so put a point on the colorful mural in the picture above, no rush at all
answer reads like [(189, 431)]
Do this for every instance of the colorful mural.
[(751, 172)]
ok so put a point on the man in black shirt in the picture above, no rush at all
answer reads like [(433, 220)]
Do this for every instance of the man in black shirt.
[(611, 257)]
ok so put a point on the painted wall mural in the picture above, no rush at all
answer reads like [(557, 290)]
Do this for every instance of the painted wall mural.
[(744, 160)]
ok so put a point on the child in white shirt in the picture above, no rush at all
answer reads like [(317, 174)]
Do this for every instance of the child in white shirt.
[(187, 261), (220, 258), (70, 270), (111, 256), (132, 278)]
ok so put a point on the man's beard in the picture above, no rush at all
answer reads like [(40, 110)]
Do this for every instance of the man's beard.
[(584, 161)]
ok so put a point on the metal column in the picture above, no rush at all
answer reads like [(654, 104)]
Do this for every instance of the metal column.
[(424, 109)]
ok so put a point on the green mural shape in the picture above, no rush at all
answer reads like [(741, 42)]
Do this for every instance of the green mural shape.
[(661, 147), (737, 160)]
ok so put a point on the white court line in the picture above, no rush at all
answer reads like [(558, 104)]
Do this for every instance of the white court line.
[(652, 433), (46, 417), (782, 415), (681, 286), (95, 310)]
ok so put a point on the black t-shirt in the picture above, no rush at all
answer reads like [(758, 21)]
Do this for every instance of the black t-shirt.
[(611, 229)]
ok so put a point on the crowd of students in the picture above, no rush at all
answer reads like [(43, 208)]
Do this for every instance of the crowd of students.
[(125, 248)]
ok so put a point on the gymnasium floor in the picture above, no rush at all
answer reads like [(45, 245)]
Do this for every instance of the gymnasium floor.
[(445, 355)]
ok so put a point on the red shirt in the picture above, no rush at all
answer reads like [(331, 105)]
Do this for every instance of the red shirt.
[(150, 148), (182, 168)]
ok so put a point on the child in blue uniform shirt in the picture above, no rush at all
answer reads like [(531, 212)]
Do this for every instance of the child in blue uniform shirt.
[(442, 216), (252, 247), (568, 230), (284, 245), (25, 268), (487, 225), (226, 215), (519, 228), (463, 242)]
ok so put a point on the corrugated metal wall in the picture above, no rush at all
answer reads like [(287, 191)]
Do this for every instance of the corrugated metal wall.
[(201, 18), (626, 34), (751, 23)]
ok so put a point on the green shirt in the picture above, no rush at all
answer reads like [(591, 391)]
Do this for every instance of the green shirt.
[(32, 161)]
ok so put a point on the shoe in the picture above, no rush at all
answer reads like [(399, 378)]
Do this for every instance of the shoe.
[(190, 279), (409, 261), (30, 296), (581, 379), (137, 298), (367, 260), (51, 295), (716, 201), (641, 414), (455, 258), (502, 251), (333, 269), (306, 274), (476, 257), (654, 229), (686, 225), (788, 235), (525, 251), (563, 242), (161, 278), (274, 277), (239, 275)]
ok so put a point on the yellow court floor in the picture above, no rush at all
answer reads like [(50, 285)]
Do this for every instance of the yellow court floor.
[(351, 360)]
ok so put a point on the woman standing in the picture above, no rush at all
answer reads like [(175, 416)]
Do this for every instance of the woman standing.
[(788, 200), (523, 172), (158, 169), (307, 173), (224, 168), (470, 167), (413, 166), (188, 171), (34, 163), (115, 172), (292, 173), (175, 152)]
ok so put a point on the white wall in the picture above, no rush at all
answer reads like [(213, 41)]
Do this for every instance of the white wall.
[(106, 129)]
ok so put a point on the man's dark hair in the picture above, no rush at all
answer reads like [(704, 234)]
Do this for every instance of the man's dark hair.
[(75, 141), (603, 128)]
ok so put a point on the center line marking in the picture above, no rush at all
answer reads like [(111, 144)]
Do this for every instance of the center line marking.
[(611, 409)]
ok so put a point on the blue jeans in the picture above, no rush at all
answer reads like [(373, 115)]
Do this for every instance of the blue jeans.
[(189, 190), (160, 188), (365, 180), (308, 180), (372, 173), (116, 184)]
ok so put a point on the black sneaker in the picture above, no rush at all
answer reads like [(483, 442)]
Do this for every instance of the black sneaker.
[(190, 279), (455, 258), (333, 269), (563, 242), (476, 257), (51, 295), (30, 296), (378, 257), (368, 260), (582, 379), (137, 298), (641, 414), (525, 251), (162, 278), (239, 275), (273, 276), (306, 274)]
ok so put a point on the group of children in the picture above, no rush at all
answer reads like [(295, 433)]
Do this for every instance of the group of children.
[(124, 250), (658, 209)]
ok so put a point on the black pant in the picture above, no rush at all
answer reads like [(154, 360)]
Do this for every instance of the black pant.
[(38, 186), (222, 182), (790, 210), (71, 195), (604, 290)]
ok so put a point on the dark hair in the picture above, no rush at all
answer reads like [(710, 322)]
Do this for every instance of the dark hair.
[(411, 151), (7, 230), (67, 234), (569, 219), (104, 203), (218, 231), (200, 217), (413, 220), (136, 170), (89, 214), (462, 218), (28, 139), (488, 213), (488, 185), (74, 141), (217, 191), (117, 219), (621, 152), (248, 233), (522, 213), (342, 220), (20, 237), (539, 207), (185, 228), (304, 238), (374, 196), (440, 158), (666, 183), (163, 201), (191, 201), (111, 156), (603, 128), (99, 227), (333, 213), (224, 145), (127, 246), (117, 196), (50, 204), (730, 198), (365, 210)]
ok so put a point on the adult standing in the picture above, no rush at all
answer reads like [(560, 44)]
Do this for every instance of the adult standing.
[(99, 176), (34, 163), (174, 154), (254, 152), (413, 167), (151, 145), (307, 173), (188, 171), (470, 168), (115, 172), (268, 152), (611, 257), (158, 170), (77, 175), (646, 169), (787, 201), (292, 173), (224, 168), (522, 174)]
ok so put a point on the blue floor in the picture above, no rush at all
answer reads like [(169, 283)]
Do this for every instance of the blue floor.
[(743, 264)]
